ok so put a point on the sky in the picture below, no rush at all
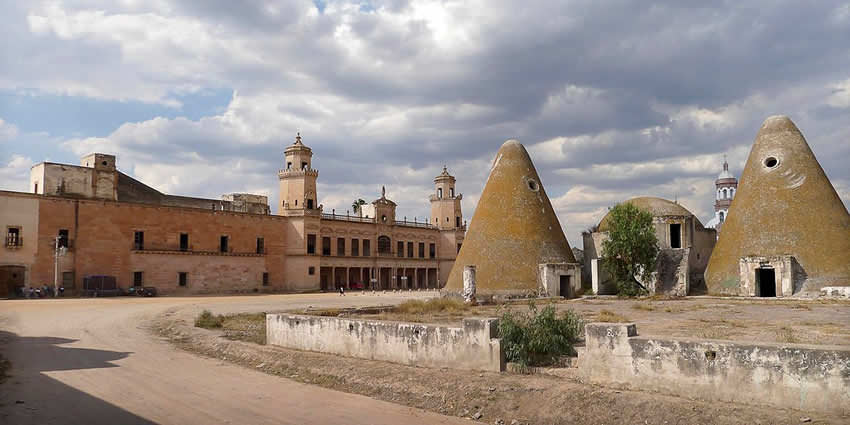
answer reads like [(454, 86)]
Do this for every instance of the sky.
[(613, 99)]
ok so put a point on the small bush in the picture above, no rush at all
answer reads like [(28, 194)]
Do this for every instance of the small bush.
[(539, 337), (207, 320), (434, 305)]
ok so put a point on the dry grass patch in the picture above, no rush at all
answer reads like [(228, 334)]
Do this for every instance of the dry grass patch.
[(250, 327), (610, 317), (644, 307)]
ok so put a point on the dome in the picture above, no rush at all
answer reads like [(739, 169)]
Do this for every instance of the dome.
[(658, 207), (725, 174)]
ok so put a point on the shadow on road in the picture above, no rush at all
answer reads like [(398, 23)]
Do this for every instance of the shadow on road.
[(29, 396)]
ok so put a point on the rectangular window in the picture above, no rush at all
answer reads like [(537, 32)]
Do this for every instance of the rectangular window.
[(288, 165), (67, 280), (36, 188), (139, 241), (400, 249), (367, 248), (340, 246), (304, 165), (182, 278), (13, 237), (184, 241), (309, 204), (137, 279), (421, 249), (265, 278), (675, 235), (222, 244), (326, 245), (457, 221), (261, 246), (311, 271), (311, 244), (458, 248), (432, 250), (410, 250), (355, 247), (63, 238)]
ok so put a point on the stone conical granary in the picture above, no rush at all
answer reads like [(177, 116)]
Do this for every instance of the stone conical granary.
[(513, 230), (787, 230)]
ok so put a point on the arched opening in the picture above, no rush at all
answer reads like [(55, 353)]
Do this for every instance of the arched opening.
[(440, 192), (725, 193), (722, 216), (384, 245)]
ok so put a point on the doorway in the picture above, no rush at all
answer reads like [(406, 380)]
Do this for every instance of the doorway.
[(11, 280), (766, 282), (564, 289)]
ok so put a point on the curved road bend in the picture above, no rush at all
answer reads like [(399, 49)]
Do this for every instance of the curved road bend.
[(90, 361)]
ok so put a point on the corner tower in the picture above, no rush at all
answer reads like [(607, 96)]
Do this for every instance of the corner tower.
[(297, 180), (446, 212)]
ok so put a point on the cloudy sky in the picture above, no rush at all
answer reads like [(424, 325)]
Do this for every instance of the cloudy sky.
[(614, 99)]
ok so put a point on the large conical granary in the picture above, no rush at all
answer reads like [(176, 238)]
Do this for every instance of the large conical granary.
[(787, 230), (513, 230)]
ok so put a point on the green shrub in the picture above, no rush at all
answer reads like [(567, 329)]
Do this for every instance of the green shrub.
[(208, 320), (539, 337)]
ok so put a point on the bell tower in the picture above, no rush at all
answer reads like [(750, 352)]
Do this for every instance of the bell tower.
[(298, 180), (446, 212), (726, 185)]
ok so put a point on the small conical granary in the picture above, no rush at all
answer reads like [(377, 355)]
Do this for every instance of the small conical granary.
[(787, 230), (513, 230)]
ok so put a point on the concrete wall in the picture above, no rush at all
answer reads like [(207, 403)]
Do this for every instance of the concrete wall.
[(549, 277), (472, 346), (786, 376)]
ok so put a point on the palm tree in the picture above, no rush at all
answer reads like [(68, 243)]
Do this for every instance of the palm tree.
[(356, 206)]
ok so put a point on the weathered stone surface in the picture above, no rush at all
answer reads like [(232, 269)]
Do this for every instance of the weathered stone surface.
[(786, 376), (472, 346), (513, 230), (785, 205)]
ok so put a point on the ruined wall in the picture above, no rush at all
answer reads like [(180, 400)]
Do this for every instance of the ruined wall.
[(472, 346), (786, 376), (74, 181)]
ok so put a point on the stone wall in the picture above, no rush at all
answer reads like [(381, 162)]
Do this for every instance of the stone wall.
[(786, 376), (472, 346)]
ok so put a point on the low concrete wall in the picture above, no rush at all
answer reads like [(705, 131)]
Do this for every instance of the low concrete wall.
[(787, 376), (472, 346)]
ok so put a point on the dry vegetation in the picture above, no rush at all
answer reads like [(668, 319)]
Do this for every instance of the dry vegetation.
[(250, 327), (610, 316)]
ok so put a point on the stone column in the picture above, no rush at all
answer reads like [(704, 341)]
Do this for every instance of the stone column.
[(469, 284)]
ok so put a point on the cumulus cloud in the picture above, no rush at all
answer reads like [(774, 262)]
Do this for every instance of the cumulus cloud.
[(612, 102)]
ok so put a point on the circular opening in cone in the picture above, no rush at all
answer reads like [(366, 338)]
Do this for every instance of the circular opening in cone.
[(532, 185), (771, 162)]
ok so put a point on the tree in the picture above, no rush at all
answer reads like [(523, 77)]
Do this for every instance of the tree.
[(357, 205), (630, 249)]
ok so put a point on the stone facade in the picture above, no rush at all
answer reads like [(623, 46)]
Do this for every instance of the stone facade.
[(685, 247), (115, 225)]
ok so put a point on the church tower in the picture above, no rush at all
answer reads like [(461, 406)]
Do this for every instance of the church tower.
[(298, 180), (726, 185), (446, 213)]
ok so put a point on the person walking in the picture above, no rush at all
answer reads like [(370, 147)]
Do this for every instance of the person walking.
[(341, 290)]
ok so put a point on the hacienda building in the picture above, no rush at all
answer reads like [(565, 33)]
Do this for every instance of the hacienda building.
[(105, 223)]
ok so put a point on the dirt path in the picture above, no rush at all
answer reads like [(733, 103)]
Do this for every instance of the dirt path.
[(92, 361)]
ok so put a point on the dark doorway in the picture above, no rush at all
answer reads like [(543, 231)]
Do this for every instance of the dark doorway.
[(675, 235), (11, 280), (766, 282), (565, 286)]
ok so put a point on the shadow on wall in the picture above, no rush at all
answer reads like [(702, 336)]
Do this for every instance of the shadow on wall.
[(29, 396)]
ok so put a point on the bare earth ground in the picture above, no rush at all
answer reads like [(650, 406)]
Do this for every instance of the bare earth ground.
[(96, 361), (821, 322)]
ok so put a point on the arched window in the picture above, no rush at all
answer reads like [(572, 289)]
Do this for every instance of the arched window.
[(725, 193), (731, 193), (722, 216), (384, 245), (453, 192), (440, 192)]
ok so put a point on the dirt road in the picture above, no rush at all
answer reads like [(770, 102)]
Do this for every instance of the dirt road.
[(92, 361)]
